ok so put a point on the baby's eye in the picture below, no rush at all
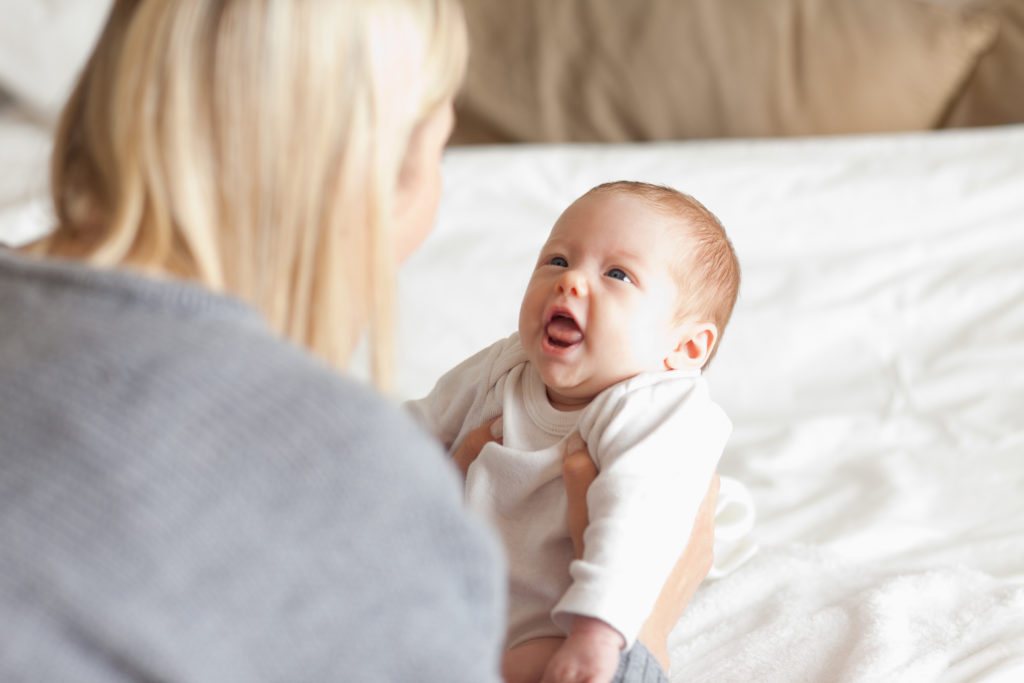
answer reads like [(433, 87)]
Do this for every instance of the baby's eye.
[(558, 261), (618, 274)]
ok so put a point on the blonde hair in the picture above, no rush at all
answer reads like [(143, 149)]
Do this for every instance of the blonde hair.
[(256, 146), (708, 275)]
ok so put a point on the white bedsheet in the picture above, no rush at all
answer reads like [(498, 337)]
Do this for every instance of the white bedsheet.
[(874, 370)]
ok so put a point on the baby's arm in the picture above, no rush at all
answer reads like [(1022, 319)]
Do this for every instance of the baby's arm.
[(590, 654), (464, 397), (656, 456)]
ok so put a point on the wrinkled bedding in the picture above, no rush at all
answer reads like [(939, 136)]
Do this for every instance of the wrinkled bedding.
[(874, 370)]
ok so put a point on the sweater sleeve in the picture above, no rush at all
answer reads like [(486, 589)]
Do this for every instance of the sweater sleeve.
[(465, 397), (656, 440), (639, 666)]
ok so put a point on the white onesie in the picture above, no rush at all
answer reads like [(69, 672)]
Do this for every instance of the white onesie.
[(656, 439)]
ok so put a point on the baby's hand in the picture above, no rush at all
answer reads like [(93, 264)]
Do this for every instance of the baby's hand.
[(590, 654)]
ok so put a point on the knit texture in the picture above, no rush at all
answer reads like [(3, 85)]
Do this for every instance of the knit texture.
[(638, 664), (185, 497)]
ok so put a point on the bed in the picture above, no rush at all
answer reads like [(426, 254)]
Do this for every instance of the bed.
[(872, 369)]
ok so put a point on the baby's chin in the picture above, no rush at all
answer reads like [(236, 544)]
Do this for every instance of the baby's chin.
[(563, 401), (583, 389), (571, 383), (563, 386), (569, 395)]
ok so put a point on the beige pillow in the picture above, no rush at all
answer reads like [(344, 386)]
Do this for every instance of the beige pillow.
[(617, 70), (994, 93)]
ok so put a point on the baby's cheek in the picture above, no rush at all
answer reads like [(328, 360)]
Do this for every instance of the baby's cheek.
[(651, 348)]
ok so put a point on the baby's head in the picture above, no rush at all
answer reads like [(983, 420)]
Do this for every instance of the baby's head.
[(707, 272), (633, 278)]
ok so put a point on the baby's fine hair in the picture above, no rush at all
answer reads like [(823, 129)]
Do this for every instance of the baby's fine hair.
[(707, 272)]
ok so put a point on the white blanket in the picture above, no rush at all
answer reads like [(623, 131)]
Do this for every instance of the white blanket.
[(874, 370)]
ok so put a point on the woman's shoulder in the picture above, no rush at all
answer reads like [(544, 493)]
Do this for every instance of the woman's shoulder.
[(274, 394), (135, 355), (188, 456)]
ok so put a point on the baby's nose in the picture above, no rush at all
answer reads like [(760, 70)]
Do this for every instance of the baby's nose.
[(573, 283)]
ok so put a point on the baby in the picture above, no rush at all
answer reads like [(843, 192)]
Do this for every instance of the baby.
[(625, 307)]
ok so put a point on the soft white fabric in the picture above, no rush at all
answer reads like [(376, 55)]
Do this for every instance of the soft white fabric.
[(43, 46), (25, 212), (872, 371), (656, 440)]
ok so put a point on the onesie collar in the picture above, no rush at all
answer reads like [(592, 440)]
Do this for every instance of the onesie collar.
[(540, 410)]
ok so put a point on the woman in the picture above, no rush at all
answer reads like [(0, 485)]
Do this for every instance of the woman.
[(188, 491)]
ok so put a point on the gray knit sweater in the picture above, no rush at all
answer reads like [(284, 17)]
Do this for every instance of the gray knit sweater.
[(186, 497)]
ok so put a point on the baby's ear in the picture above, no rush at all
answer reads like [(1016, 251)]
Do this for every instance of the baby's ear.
[(696, 342)]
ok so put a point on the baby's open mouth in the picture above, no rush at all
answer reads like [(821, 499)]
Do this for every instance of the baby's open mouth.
[(563, 332)]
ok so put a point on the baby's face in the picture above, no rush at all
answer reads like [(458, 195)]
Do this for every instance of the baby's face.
[(600, 306)]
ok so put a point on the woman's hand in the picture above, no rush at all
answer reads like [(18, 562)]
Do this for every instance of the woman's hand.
[(474, 442), (578, 471)]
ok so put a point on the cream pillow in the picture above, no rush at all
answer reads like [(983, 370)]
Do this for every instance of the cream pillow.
[(994, 94), (608, 70), (43, 46)]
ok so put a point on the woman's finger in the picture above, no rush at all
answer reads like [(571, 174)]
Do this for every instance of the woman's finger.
[(578, 471), (691, 568), (474, 442)]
